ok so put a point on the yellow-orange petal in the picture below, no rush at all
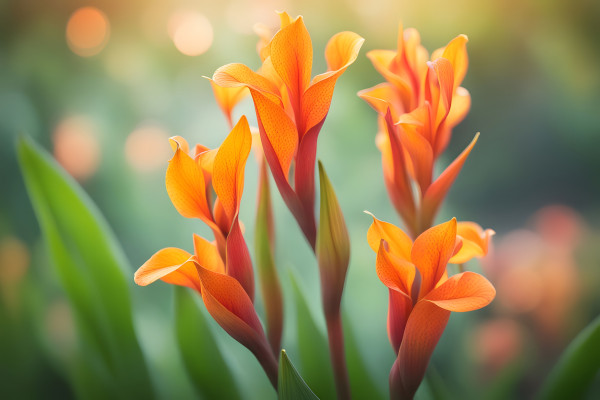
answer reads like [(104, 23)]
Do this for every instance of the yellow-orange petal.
[(475, 242), (382, 97), (279, 129), (179, 142), (228, 97), (394, 272), (208, 255), (291, 55), (399, 243), (341, 51), (172, 265), (445, 76), (229, 166), (236, 75), (439, 188), (456, 53), (430, 253), (186, 185), (382, 60), (466, 291), (420, 153)]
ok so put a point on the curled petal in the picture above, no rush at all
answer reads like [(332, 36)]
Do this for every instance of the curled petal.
[(229, 165), (172, 265), (475, 242), (431, 252), (466, 291), (382, 60), (456, 53), (382, 97), (186, 185), (341, 51), (236, 75), (399, 243)]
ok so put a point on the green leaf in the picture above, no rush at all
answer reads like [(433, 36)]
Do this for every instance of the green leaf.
[(202, 358), (577, 367), (313, 348), (91, 269), (290, 384), (361, 382)]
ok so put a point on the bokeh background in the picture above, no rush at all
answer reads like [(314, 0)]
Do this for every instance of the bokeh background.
[(103, 88)]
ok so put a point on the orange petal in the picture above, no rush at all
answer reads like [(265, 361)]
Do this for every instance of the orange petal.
[(228, 303), (445, 75), (420, 152), (394, 272), (236, 75), (424, 328), (291, 54), (431, 252), (179, 142), (382, 97), (228, 97), (439, 188), (229, 165), (461, 103), (399, 308), (456, 53), (399, 243), (208, 255), (341, 51), (475, 242), (279, 129), (186, 186), (466, 291), (382, 60), (172, 265)]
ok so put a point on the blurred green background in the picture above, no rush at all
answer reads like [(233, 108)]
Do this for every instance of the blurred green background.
[(104, 96)]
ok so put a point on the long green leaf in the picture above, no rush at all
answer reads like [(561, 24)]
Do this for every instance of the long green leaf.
[(91, 269), (577, 367), (208, 370), (290, 384), (313, 348)]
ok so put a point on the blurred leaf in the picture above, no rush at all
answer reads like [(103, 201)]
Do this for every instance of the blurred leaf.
[(90, 267), (577, 367), (313, 348), (290, 384), (202, 358), (361, 383)]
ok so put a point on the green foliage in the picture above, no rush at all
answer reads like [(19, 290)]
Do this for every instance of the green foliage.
[(91, 269), (577, 367), (290, 384), (208, 370)]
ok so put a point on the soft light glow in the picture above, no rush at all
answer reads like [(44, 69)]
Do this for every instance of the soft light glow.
[(14, 262), (87, 31), (191, 32), (76, 147), (147, 148)]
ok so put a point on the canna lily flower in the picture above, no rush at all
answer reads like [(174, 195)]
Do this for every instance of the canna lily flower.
[(422, 295), (291, 108), (418, 105), (227, 98), (475, 242), (220, 271)]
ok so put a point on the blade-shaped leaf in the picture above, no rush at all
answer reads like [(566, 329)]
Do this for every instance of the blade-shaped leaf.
[(290, 385), (577, 367), (91, 269), (202, 358), (313, 348)]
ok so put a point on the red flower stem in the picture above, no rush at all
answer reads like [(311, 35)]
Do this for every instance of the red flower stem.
[(269, 364), (337, 354)]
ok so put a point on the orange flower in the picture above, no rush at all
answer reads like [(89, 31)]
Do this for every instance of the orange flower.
[(421, 294), (220, 271), (291, 108), (418, 107)]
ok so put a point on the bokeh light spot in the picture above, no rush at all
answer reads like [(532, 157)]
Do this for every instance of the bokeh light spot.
[(191, 32), (76, 147), (87, 31), (147, 148)]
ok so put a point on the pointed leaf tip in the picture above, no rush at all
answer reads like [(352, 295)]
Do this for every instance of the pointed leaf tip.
[(291, 386)]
